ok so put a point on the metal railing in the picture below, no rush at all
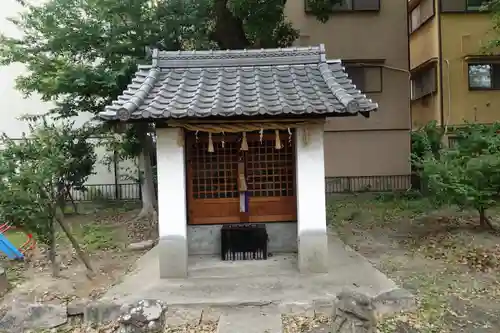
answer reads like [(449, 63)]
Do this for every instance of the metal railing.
[(356, 184), (348, 184), (105, 192)]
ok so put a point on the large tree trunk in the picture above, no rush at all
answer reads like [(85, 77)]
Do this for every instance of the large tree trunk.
[(228, 32), (484, 221), (147, 184)]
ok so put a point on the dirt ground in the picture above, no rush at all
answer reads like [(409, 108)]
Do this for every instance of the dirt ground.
[(451, 265), (104, 233), (440, 255)]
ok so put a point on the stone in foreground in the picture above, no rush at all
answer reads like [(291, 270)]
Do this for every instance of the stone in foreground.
[(33, 316), (143, 316), (250, 321), (141, 246)]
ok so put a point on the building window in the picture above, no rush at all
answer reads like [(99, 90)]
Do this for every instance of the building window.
[(353, 5), (474, 4), (367, 78), (462, 6), (421, 14), (484, 76), (423, 83)]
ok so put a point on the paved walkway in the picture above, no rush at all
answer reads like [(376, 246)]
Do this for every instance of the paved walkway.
[(276, 281)]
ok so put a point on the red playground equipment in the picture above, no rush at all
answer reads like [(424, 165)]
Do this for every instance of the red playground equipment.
[(9, 249)]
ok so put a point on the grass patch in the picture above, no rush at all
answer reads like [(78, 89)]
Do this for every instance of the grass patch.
[(438, 253), (16, 237), (92, 237), (97, 237), (375, 210)]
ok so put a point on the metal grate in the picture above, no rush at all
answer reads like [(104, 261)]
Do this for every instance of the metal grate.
[(270, 170), (244, 242), (214, 174)]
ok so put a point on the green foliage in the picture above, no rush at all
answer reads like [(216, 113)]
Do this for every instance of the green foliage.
[(97, 237), (83, 54), (468, 174), (32, 170), (492, 45), (426, 140)]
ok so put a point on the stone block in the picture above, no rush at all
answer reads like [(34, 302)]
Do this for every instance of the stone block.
[(77, 307), (143, 316), (140, 246), (101, 312), (23, 317)]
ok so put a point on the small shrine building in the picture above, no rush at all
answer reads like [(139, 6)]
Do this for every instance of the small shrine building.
[(239, 139)]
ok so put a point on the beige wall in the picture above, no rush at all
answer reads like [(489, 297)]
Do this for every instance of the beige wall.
[(381, 153), (424, 46), (464, 34), (353, 145), (425, 110), (424, 43)]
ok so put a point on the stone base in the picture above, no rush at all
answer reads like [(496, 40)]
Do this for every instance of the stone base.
[(313, 252), (205, 239), (173, 257)]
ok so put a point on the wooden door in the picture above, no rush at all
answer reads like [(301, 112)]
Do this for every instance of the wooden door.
[(271, 179), (213, 196)]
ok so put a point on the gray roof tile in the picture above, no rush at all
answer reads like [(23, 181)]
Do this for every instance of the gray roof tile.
[(197, 84)]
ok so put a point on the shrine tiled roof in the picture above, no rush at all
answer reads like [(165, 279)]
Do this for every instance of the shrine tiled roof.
[(268, 82)]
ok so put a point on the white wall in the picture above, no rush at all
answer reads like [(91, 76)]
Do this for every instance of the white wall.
[(13, 104)]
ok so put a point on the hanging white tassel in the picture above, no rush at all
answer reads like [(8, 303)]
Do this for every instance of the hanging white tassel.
[(278, 141), (289, 137), (223, 143), (210, 143), (244, 143), (261, 135)]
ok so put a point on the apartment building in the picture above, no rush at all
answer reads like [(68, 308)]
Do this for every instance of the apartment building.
[(453, 81), (371, 38)]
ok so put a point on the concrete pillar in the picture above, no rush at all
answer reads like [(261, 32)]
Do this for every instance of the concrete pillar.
[(172, 210), (311, 202)]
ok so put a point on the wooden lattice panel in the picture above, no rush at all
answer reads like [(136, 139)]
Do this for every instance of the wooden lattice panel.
[(214, 175), (212, 179), (270, 171)]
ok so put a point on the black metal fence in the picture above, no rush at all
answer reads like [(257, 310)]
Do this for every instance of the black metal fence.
[(105, 192), (350, 184)]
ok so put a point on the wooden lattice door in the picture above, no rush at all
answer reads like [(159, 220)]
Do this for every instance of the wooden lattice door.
[(213, 195)]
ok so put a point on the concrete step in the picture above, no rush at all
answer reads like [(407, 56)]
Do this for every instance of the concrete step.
[(250, 321)]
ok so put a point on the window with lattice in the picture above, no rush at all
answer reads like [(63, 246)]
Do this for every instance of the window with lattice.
[(270, 171), (214, 174)]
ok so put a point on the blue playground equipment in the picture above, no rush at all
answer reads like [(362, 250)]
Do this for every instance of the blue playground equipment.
[(10, 250)]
